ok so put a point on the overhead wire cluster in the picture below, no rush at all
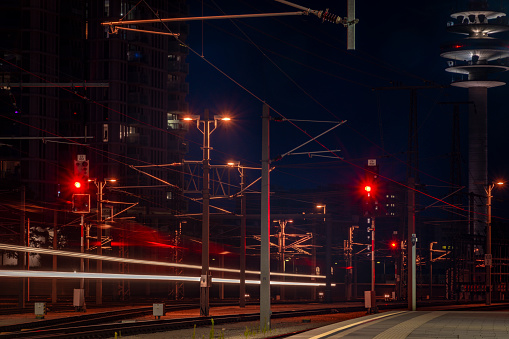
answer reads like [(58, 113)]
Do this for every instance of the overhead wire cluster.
[(114, 157)]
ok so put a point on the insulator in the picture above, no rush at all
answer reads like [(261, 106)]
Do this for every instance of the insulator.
[(327, 16)]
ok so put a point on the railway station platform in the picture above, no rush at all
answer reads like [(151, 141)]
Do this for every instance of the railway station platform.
[(417, 324)]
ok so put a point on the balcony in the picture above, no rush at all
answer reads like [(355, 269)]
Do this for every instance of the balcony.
[(138, 78), (176, 47), (181, 87), (177, 66), (137, 99)]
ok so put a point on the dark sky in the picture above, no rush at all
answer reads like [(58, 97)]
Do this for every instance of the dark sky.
[(300, 66)]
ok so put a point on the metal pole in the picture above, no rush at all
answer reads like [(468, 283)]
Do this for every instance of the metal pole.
[(204, 288), (282, 245), (328, 259), (55, 246), (351, 27), (265, 224), (313, 260), (373, 293), (349, 265), (99, 282), (411, 282), (430, 271), (82, 261), (28, 258), (87, 236), (198, 18), (21, 255), (488, 260), (242, 241)]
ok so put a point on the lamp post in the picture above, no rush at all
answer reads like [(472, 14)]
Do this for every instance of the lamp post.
[(488, 255), (99, 283), (205, 275)]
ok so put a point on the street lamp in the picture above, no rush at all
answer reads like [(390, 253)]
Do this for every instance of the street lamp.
[(488, 256), (206, 131), (100, 185), (324, 209)]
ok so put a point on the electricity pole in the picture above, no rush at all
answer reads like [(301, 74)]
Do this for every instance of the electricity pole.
[(265, 225), (204, 285)]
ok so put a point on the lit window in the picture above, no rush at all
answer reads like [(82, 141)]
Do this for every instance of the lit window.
[(173, 121), (105, 133)]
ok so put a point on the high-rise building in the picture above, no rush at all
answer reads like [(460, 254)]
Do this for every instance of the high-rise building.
[(70, 87)]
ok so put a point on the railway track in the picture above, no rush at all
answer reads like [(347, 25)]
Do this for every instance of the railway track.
[(106, 324), (68, 330)]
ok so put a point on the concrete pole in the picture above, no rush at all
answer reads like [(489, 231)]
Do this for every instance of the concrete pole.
[(411, 240), (242, 242), (265, 312), (478, 154), (205, 288)]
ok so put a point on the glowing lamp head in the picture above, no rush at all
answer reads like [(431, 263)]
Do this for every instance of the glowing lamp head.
[(77, 184), (226, 118), (393, 244), (367, 188), (187, 119)]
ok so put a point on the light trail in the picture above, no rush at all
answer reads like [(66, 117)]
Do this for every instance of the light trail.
[(81, 275), (16, 248)]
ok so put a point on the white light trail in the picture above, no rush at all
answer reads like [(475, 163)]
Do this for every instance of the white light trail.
[(80, 275), (17, 248)]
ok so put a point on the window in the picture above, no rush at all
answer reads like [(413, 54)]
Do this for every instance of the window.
[(105, 132), (173, 121), (9, 169)]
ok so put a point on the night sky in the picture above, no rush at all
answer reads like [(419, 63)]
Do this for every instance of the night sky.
[(316, 78)]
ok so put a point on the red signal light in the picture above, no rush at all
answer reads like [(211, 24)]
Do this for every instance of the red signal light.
[(77, 184), (367, 188)]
